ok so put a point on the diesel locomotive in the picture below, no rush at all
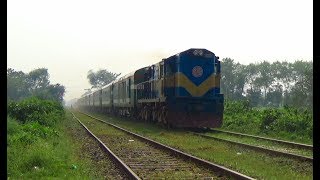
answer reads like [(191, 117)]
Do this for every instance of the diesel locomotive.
[(182, 90)]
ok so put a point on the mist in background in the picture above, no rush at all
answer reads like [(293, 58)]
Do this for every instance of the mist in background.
[(72, 37)]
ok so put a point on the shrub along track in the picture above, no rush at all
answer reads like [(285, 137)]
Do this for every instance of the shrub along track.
[(150, 159), (276, 147)]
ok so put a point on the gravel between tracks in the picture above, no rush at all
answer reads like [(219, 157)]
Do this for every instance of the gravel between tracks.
[(90, 150), (145, 160)]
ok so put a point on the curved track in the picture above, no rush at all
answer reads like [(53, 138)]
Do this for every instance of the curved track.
[(175, 157)]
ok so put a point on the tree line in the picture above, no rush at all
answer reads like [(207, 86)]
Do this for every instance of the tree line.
[(99, 79), (266, 84), (262, 84), (21, 85)]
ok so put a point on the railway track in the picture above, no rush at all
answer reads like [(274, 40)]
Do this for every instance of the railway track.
[(280, 150), (124, 167), (299, 145), (141, 157)]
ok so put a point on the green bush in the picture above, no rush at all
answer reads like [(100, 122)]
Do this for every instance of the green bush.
[(28, 133), (45, 112), (287, 122), (269, 118), (237, 106)]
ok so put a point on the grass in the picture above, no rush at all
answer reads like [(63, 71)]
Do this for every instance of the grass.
[(286, 123), (54, 156), (262, 143), (45, 142), (255, 164)]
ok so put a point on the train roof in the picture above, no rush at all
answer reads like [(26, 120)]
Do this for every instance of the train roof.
[(107, 85), (194, 51), (124, 77), (127, 75), (119, 79)]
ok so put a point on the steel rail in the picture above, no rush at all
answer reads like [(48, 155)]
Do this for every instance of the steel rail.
[(126, 168), (300, 145), (208, 164), (270, 151)]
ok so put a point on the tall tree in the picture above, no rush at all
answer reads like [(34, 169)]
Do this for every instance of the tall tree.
[(274, 96), (239, 82), (252, 72), (17, 85), (302, 90), (254, 96), (101, 77), (266, 84), (34, 83), (38, 79), (227, 77), (55, 92), (265, 78)]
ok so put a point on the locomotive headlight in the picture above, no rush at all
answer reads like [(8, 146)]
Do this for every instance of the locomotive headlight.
[(198, 52), (195, 52)]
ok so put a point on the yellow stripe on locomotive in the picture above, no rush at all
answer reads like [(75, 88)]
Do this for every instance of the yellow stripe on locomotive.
[(180, 80)]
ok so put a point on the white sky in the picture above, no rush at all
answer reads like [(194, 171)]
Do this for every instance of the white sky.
[(70, 37)]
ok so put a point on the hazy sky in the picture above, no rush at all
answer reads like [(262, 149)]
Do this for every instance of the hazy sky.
[(70, 37)]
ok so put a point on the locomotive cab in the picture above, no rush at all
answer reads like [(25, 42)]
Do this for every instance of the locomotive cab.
[(192, 89)]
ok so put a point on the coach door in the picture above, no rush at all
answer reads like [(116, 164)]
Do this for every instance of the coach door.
[(111, 95), (161, 77), (100, 98), (129, 90)]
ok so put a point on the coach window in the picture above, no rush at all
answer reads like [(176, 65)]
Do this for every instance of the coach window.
[(119, 90), (146, 74), (169, 70), (156, 72), (161, 70), (151, 72), (129, 88), (124, 90)]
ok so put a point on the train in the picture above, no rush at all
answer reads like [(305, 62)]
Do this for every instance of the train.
[(181, 91)]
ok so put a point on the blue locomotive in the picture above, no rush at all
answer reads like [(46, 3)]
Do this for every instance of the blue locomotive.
[(182, 90)]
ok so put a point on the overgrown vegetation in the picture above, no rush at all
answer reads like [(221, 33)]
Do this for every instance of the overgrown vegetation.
[(32, 129), (33, 109), (286, 123), (37, 143)]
